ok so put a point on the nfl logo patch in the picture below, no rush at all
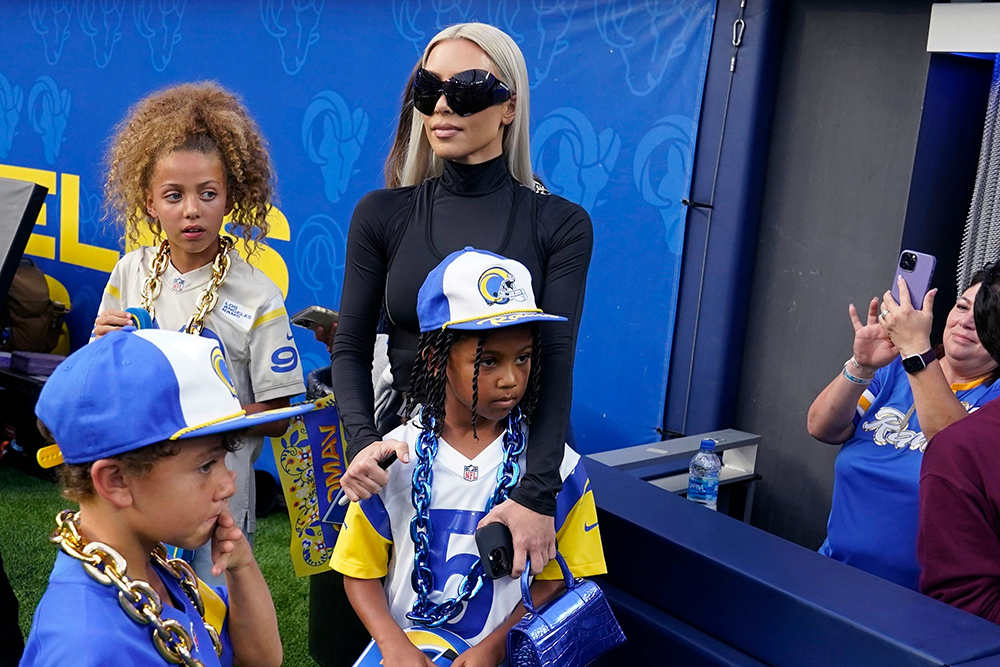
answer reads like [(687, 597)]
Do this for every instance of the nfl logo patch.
[(471, 473), (178, 284)]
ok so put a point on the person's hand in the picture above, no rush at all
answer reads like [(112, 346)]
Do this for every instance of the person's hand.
[(873, 348), (909, 328), (364, 478), (110, 320), (326, 337), (479, 655), (230, 549), (404, 654), (534, 535)]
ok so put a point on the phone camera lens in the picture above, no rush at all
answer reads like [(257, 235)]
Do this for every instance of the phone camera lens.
[(908, 261)]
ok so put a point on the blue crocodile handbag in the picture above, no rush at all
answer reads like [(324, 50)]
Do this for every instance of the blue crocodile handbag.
[(571, 630)]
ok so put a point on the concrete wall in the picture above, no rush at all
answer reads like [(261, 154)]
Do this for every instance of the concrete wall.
[(843, 141)]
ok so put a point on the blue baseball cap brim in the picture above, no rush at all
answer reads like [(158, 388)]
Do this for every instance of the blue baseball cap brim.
[(249, 421), (505, 319)]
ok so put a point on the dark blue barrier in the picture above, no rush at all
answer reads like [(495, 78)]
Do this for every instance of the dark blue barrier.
[(693, 587)]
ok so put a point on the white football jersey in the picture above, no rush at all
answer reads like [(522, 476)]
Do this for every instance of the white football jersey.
[(375, 539), (251, 324)]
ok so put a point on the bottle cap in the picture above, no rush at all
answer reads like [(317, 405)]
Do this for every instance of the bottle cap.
[(707, 445)]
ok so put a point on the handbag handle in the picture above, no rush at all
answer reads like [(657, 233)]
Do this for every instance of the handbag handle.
[(526, 593)]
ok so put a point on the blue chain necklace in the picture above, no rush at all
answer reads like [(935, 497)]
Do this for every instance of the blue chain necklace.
[(424, 611)]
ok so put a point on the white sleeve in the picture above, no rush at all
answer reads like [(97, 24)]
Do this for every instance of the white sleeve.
[(275, 368), (111, 299)]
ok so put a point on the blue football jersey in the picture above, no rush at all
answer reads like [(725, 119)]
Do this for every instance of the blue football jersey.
[(375, 541), (79, 622), (873, 518)]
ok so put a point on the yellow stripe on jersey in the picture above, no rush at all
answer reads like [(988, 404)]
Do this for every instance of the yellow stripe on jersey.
[(865, 402), (267, 317), (113, 291), (361, 552), (579, 541), (963, 386), (215, 606)]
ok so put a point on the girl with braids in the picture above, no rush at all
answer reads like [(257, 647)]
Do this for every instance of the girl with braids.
[(473, 390), (181, 160)]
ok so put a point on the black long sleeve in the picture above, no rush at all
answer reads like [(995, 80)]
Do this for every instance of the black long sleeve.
[(365, 267), (398, 236), (570, 242)]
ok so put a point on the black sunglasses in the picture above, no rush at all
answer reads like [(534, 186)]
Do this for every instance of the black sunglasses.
[(467, 92)]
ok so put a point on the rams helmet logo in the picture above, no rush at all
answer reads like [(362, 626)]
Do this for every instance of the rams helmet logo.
[(496, 285), (220, 368)]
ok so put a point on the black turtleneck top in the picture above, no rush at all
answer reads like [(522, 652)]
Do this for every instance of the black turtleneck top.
[(397, 236)]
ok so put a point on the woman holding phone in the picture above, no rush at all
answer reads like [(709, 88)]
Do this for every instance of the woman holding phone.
[(466, 180), (892, 396)]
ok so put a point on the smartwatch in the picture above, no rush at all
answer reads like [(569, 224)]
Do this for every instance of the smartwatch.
[(918, 362)]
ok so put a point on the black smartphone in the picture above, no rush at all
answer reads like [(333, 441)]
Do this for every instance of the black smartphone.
[(496, 550), (315, 316)]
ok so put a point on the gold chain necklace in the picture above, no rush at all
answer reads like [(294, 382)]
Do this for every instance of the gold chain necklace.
[(139, 600), (206, 301)]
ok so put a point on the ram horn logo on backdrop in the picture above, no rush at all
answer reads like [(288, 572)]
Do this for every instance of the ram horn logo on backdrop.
[(404, 16), (319, 257), (11, 102), (544, 34), (50, 19), (48, 110), (572, 159), (91, 228), (541, 35), (302, 29), (662, 171), (649, 35), (101, 21), (159, 21), (446, 13), (332, 137)]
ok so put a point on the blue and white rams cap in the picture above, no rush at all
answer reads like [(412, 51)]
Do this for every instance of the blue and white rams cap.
[(474, 289), (132, 389)]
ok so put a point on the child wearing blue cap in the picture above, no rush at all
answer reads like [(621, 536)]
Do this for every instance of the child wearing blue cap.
[(142, 423), (476, 382)]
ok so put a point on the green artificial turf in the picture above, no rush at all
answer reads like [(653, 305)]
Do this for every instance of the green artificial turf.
[(27, 516)]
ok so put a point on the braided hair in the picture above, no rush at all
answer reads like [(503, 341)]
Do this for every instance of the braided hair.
[(430, 376), (427, 380)]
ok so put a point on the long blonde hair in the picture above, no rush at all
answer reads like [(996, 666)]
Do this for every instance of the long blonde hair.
[(421, 163)]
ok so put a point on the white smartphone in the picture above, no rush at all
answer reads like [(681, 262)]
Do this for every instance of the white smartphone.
[(315, 316)]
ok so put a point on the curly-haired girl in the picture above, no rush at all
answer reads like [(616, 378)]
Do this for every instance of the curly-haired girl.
[(180, 161)]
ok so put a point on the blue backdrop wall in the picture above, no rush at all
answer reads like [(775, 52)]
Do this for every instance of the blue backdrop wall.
[(616, 96)]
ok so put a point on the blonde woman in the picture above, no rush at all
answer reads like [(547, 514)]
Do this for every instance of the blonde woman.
[(466, 181)]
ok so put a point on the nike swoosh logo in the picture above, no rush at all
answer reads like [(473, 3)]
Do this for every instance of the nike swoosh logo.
[(589, 528)]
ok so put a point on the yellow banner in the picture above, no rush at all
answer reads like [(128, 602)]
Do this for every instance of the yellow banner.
[(310, 460)]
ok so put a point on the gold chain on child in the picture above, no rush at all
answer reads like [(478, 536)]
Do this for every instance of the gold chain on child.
[(140, 602), (206, 301)]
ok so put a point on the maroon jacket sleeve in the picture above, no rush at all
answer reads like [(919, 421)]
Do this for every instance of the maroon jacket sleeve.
[(958, 544)]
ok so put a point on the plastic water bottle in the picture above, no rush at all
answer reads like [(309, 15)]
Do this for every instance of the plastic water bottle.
[(703, 475)]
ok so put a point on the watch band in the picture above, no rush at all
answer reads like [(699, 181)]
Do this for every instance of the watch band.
[(918, 362)]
